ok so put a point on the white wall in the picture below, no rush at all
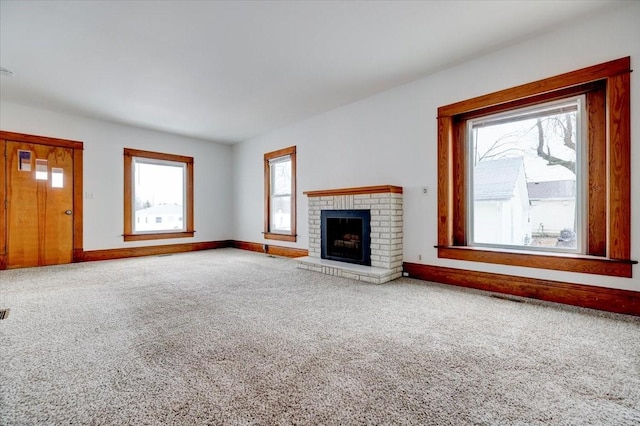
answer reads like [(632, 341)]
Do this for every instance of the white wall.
[(391, 138), (104, 176)]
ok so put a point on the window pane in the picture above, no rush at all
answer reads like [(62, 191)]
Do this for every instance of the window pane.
[(525, 178), (281, 176), (42, 170), (57, 177), (158, 195), (281, 213)]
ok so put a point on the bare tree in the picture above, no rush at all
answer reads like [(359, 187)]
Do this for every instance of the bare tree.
[(503, 147), (543, 149), (508, 144)]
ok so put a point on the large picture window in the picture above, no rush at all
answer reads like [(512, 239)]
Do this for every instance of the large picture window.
[(526, 177), (280, 194), (158, 195), (539, 175)]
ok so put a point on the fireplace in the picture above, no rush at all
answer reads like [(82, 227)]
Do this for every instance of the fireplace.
[(366, 248), (345, 236)]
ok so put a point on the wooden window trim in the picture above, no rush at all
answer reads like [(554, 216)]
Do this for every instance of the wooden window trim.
[(292, 236), (607, 87), (129, 235)]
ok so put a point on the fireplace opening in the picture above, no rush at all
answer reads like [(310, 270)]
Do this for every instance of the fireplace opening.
[(345, 236)]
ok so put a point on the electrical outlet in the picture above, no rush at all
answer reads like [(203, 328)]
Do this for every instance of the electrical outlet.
[(419, 257)]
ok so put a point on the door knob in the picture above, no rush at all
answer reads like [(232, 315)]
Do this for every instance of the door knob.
[(67, 212)]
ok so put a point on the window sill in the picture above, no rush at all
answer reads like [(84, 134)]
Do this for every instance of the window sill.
[(555, 261), (279, 237), (158, 236)]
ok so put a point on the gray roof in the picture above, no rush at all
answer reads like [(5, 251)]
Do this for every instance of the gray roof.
[(558, 189), (496, 179)]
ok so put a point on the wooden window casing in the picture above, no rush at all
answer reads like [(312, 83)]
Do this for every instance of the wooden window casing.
[(608, 194), (129, 234), (268, 233)]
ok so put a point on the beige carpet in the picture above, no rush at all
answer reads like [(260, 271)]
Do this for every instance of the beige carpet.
[(231, 337)]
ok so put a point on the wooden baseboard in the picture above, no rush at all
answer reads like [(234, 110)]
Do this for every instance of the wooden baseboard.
[(270, 249), (119, 253), (80, 255), (605, 299)]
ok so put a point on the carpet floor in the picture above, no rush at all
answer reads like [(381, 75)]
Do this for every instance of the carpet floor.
[(228, 337)]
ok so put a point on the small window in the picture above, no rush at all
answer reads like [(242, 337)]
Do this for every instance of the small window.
[(157, 185), (42, 170), (280, 194), (539, 175), (57, 177)]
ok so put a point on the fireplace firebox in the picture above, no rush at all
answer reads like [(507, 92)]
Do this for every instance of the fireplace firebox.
[(345, 236)]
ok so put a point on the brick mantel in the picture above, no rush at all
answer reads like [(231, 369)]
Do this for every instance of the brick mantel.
[(385, 204)]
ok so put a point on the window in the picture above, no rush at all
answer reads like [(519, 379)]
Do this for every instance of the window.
[(57, 177), (280, 194), (157, 185), (42, 170), (525, 177), (539, 175)]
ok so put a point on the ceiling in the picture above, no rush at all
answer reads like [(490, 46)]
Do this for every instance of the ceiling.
[(227, 71)]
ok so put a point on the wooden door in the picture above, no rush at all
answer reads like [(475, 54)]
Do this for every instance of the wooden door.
[(39, 208)]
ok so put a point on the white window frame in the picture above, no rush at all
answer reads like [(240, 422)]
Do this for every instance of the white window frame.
[(272, 163), (581, 173), (152, 161)]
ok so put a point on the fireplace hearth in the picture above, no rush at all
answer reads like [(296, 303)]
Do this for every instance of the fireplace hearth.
[(343, 251), (345, 236)]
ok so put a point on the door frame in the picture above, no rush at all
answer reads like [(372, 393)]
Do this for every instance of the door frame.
[(77, 148)]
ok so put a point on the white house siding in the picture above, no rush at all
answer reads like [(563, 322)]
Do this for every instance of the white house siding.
[(501, 222), (551, 216)]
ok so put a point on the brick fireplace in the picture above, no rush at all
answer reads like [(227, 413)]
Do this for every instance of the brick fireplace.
[(384, 204)]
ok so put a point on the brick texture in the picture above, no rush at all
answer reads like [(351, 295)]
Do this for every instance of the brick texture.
[(386, 227)]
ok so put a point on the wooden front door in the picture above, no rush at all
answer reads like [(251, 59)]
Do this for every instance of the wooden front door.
[(39, 206)]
